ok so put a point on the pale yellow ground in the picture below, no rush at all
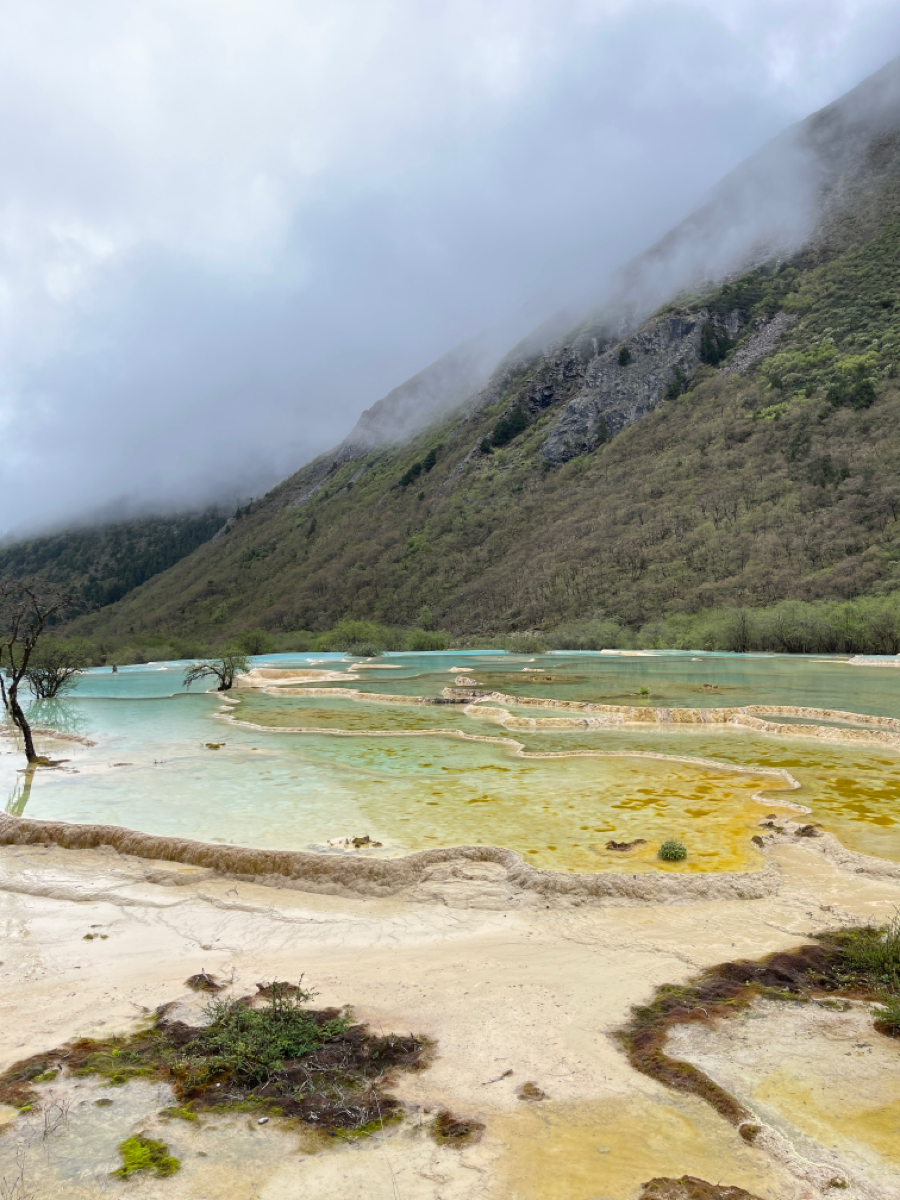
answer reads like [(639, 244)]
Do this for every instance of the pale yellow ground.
[(535, 992)]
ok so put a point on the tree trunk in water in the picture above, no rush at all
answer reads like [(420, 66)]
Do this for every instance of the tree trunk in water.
[(18, 717)]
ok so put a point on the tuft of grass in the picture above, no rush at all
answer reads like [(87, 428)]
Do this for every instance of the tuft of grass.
[(887, 1016), (875, 953), (141, 1153), (180, 1113), (672, 851)]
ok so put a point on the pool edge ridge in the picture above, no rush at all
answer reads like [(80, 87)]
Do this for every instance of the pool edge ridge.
[(392, 877), (403, 877)]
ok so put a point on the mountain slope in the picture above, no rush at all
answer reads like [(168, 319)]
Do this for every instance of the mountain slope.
[(738, 445), (100, 565)]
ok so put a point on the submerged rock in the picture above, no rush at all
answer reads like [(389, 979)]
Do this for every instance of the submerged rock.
[(689, 1187)]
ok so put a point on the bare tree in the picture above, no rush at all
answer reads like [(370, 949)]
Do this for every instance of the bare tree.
[(53, 667), (224, 669), (24, 617)]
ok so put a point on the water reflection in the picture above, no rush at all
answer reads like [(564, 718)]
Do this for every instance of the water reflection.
[(21, 792), (66, 716)]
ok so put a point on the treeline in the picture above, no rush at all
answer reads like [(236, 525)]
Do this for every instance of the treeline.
[(363, 638), (868, 625)]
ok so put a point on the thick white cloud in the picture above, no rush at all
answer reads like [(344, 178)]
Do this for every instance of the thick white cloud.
[(226, 227)]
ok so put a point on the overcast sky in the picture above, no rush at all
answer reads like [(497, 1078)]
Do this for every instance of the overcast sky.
[(228, 226)]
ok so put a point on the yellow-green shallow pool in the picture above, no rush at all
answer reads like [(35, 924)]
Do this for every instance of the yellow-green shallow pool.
[(300, 770)]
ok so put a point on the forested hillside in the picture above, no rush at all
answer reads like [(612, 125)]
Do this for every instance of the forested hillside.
[(735, 448), (100, 565)]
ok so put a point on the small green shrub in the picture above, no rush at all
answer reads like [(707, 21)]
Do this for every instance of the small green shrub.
[(255, 641), (145, 1154), (624, 356), (249, 1045), (510, 426), (887, 1016), (423, 639), (364, 649), (672, 851)]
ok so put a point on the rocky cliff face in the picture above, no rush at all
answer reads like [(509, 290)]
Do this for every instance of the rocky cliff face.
[(630, 379)]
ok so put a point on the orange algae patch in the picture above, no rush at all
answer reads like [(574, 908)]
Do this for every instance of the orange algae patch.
[(563, 812), (607, 1149), (560, 810)]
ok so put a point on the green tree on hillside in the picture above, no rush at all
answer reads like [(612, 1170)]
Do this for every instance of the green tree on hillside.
[(255, 641)]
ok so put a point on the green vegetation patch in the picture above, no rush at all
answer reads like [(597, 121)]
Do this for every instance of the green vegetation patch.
[(422, 466), (267, 1053), (145, 1154), (672, 851)]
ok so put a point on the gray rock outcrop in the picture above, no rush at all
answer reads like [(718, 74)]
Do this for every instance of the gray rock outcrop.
[(613, 394), (761, 342)]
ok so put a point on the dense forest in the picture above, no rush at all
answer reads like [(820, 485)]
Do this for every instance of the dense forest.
[(99, 565)]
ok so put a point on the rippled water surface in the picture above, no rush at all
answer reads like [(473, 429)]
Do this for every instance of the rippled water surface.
[(294, 770)]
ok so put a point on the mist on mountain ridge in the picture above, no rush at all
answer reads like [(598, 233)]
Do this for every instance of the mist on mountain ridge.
[(197, 308)]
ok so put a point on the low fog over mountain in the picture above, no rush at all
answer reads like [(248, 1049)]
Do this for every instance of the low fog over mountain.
[(227, 233)]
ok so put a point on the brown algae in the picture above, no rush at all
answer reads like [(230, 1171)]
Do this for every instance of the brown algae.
[(689, 1187), (858, 962)]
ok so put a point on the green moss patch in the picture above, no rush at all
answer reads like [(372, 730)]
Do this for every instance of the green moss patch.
[(145, 1154)]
